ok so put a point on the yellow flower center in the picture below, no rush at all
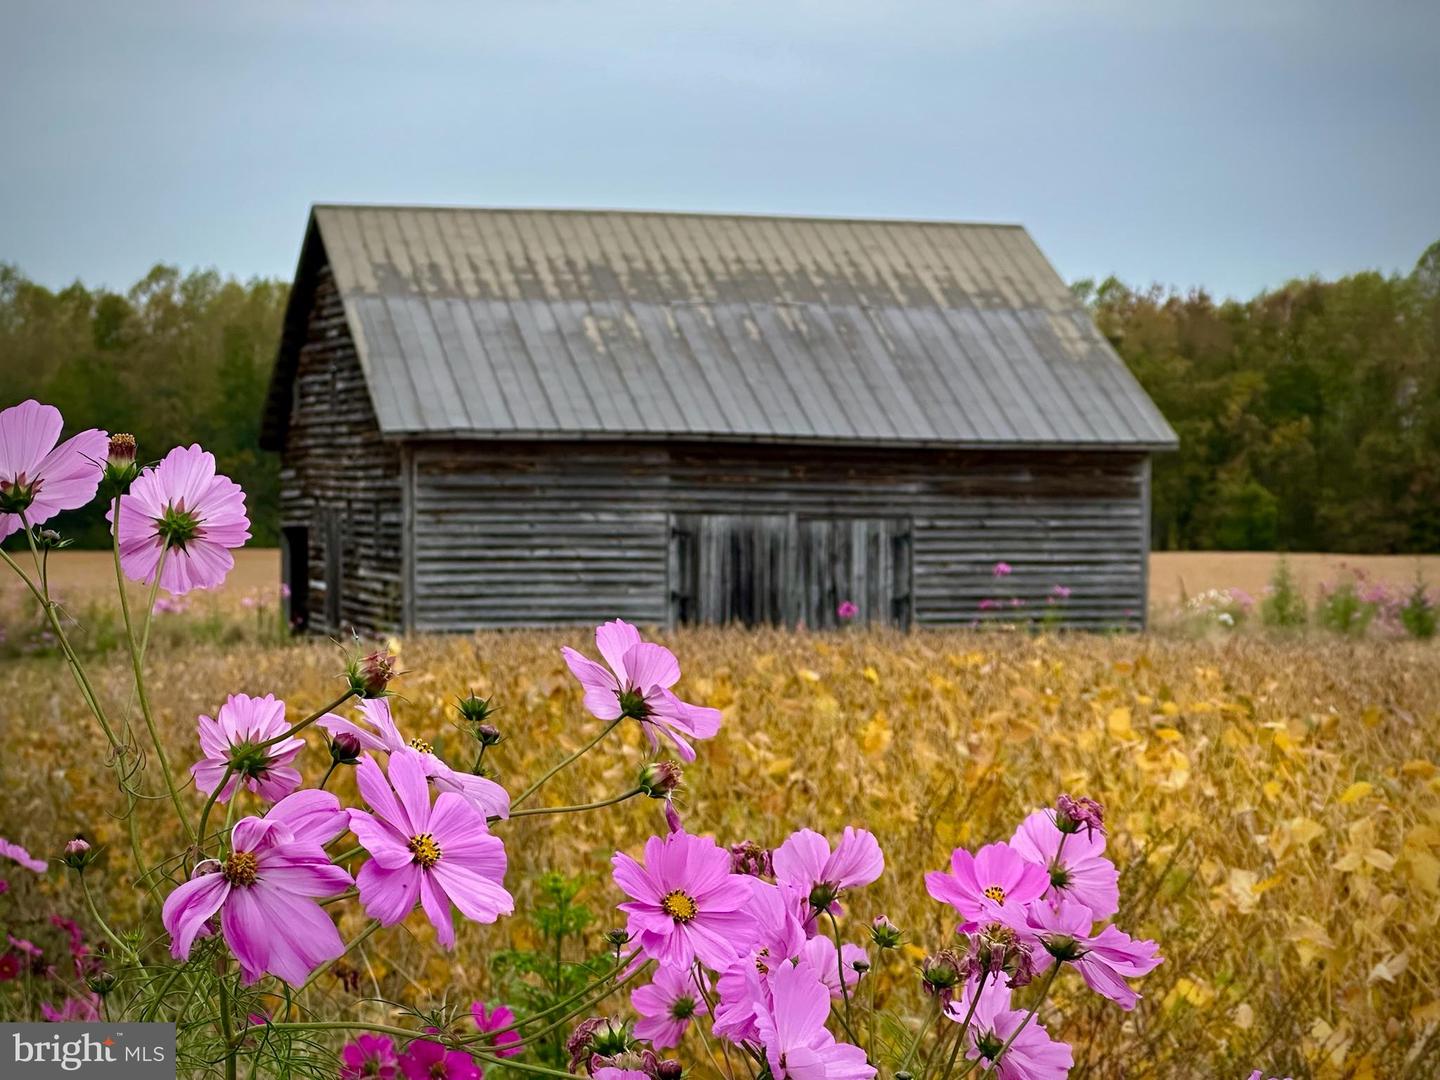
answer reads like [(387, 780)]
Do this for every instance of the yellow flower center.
[(427, 852), (241, 868), (679, 906), (423, 746), (996, 893)]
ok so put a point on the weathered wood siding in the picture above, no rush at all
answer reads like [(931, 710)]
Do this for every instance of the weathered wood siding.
[(340, 482), (508, 534)]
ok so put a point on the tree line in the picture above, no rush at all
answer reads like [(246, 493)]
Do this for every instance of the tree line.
[(1309, 415)]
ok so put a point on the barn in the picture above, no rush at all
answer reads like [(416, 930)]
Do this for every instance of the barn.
[(493, 417)]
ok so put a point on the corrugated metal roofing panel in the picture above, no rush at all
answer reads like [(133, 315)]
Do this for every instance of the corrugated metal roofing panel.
[(621, 324)]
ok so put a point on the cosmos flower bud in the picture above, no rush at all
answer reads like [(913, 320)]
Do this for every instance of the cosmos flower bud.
[(597, 1037), (370, 675), (822, 895), (942, 973), (49, 538), (997, 950), (1072, 815), (1062, 947), (475, 710), (617, 937), (659, 779), (668, 1069), (487, 734), (345, 749), (884, 933), (78, 853), (120, 466), (101, 982), (748, 857)]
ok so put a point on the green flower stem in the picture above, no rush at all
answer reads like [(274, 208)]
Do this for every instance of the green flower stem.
[(210, 803), (115, 938), (303, 724), (538, 784), (534, 1036), (1044, 993), (965, 1025), (328, 773), (226, 1029), (348, 894), (346, 856), (848, 1019), (584, 991), (580, 809), (920, 1033), (137, 665)]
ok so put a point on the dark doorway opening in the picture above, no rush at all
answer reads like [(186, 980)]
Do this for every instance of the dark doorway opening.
[(295, 574)]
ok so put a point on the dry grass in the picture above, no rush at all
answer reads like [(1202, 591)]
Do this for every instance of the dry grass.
[(1275, 806)]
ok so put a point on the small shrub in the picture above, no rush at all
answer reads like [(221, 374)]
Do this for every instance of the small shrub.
[(1343, 610), (1283, 606), (1419, 613)]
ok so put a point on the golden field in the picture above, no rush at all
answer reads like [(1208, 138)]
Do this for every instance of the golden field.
[(1274, 806)]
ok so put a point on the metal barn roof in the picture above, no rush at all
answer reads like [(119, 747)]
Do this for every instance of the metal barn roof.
[(610, 324)]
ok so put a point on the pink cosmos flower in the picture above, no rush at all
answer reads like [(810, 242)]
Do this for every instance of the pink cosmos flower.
[(779, 938), (798, 1046), (1076, 863), (1003, 569), (1034, 1055), (181, 508), (233, 738), (381, 734), (847, 610), (500, 1020), (367, 1056), (11, 850), (425, 1059), (441, 856), (637, 684), (75, 1010), (685, 904), (37, 477), (668, 1004), (806, 866), (996, 877), (265, 893), (1104, 960), (819, 953), (24, 945)]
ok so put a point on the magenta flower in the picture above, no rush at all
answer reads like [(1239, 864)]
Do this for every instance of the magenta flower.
[(485, 795), (667, 1004), (368, 1056), (1104, 960), (232, 741), (994, 878), (1033, 1055), (265, 893), (1003, 569), (779, 937), (439, 856), (1075, 862), (180, 508), (11, 850), (806, 866), (74, 1010), (637, 684), (38, 478), (685, 903), (425, 1059), (798, 1046), (847, 610), (501, 1021)]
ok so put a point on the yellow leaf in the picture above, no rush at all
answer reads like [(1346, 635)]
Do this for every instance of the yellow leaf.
[(1372, 715), (875, 736), (1419, 767), (872, 676), (1355, 792), (1170, 709), (808, 675), (1118, 724), (779, 767), (1304, 829), (1272, 789), (1167, 734), (1424, 870)]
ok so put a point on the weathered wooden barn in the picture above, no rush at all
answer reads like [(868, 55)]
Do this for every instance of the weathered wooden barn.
[(522, 417)]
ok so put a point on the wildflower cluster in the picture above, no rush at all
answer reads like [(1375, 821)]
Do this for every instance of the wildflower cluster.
[(761, 945)]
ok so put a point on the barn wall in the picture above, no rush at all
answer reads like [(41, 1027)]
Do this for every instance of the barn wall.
[(340, 482), (524, 534)]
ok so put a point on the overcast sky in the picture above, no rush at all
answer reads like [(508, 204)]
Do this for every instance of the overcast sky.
[(1225, 143)]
